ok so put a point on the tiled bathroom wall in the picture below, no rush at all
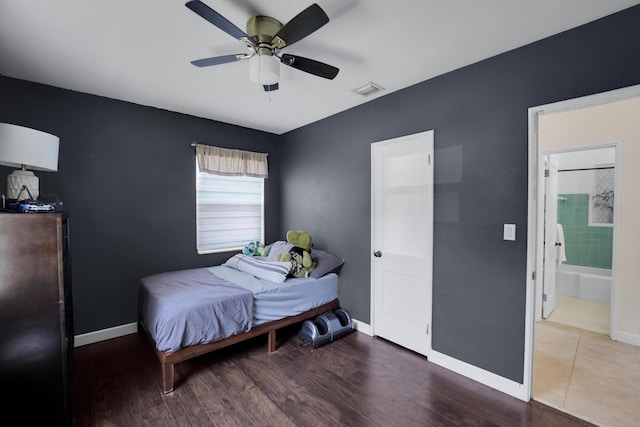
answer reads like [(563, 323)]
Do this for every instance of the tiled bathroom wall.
[(584, 245)]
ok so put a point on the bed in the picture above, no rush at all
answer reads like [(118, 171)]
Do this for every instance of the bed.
[(188, 313)]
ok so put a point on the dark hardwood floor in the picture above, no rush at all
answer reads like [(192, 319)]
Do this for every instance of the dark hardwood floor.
[(355, 381)]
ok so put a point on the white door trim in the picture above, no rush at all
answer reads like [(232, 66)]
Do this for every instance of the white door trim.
[(534, 209)]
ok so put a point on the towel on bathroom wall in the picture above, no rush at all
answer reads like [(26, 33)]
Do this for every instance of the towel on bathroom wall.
[(562, 254)]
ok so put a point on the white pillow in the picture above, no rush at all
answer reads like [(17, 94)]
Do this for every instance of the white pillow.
[(272, 271), (277, 248)]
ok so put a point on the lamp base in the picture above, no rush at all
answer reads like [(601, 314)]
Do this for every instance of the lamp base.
[(17, 179)]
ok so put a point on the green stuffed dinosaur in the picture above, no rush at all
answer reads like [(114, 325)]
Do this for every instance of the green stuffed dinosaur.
[(299, 254)]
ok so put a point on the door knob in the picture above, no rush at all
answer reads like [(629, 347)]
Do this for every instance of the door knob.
[(558, 243), (377, 254)]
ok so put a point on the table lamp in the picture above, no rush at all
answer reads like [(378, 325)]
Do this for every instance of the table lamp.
[(26, 148)]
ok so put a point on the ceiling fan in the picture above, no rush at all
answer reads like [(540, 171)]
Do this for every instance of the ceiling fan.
[(265, 38)]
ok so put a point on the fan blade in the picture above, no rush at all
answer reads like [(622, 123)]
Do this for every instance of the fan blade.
[(217, 60), (310, 66), (270, 88), (216, 19), (303, 24)]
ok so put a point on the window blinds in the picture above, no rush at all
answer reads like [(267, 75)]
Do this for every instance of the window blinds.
[(229, 212)]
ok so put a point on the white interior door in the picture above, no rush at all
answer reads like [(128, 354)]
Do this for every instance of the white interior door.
[(402, 240), (550, 235)]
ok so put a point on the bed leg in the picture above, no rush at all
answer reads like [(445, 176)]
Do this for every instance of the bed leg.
[(167, 377), (271, 341)]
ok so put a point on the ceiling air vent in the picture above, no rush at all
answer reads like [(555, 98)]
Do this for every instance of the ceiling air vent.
[(368, 89)]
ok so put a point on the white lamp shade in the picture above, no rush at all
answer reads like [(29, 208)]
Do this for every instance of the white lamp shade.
[(264, 69), (29, 147)]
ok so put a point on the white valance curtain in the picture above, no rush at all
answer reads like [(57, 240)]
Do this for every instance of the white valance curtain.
[(224, 161)]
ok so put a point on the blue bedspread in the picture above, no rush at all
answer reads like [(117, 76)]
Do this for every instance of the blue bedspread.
[(188, 307)]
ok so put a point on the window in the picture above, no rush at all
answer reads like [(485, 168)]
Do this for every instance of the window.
[(601, 200), (229, 211), (229, 198)]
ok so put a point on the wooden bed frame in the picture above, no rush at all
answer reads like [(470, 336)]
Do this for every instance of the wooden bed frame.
[(168, 360)]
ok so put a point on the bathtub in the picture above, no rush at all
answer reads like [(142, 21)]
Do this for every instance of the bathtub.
[(590, 283)]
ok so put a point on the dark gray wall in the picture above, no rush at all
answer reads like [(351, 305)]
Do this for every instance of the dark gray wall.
[(126, 175), (479, 114)]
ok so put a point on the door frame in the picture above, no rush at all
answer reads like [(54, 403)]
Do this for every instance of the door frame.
[(535, 171), (372, 249), (617, 146)]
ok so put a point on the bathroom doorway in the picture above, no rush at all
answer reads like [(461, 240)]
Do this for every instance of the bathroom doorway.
[(580, 189), (588, 374)]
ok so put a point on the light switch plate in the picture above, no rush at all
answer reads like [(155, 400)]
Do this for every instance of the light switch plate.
[(509, 232)]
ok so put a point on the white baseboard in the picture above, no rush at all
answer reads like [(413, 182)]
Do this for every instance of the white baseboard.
[(360, 326), (480, 375), (105, 334), (626, 338)]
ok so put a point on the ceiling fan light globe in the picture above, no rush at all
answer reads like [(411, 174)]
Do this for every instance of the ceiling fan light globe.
[(264, 69)]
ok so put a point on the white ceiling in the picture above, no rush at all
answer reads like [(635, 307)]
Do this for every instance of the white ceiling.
[(140, 50)]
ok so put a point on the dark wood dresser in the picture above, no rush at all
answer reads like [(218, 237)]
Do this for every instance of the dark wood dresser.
[(36, 319)]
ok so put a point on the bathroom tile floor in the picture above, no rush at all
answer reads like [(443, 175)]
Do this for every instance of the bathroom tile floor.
[(587, 375), (580, 313)]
